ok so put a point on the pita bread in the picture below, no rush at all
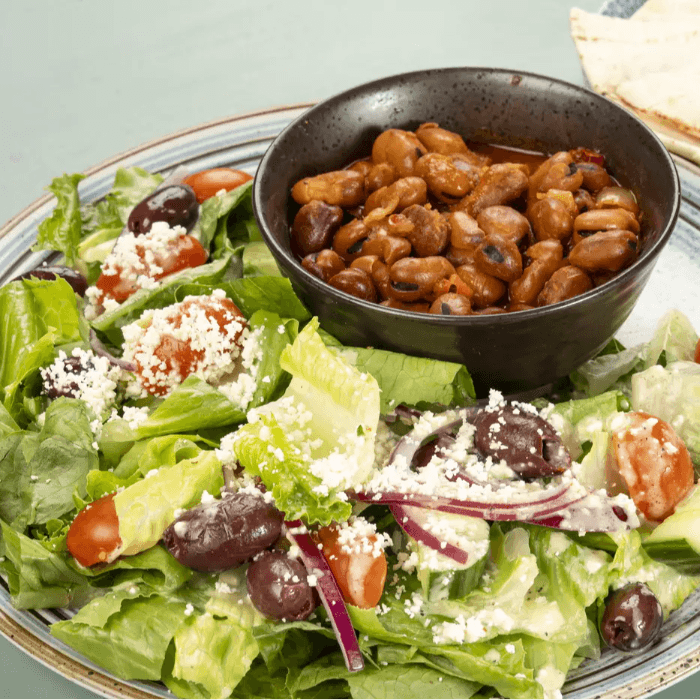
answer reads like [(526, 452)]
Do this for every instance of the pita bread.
[(655, 9), (651, 67)]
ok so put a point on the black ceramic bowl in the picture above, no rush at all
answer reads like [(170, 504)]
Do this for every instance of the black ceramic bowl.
[(512, 351)]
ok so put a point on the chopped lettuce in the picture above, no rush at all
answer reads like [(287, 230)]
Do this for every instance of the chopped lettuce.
[(147, 507), (672, 393), (415, 381), (316, 441), (37, 316), (63, 229), (39, 471)]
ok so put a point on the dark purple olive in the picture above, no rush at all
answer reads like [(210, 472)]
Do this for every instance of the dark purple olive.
[(224, 533), (526, 442), (176, 205), (52, 272), (632, 619), (56, 385), (278, 587)]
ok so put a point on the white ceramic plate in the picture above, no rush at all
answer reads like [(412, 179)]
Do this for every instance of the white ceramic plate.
[(240, 142)]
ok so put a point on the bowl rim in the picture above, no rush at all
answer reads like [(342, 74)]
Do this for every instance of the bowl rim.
[(285, 259)]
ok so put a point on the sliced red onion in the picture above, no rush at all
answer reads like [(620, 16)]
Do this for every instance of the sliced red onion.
[(531, 505), (99, 349), (406, 518), (592, 513), (330, 594)]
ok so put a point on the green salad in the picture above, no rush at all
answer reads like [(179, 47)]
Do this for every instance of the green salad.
[(234, 504)]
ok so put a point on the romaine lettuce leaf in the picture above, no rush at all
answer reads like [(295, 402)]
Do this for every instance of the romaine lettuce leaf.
[(672, 393), (133, 642), (35, 317), (632, 564), (196, 405), (147, 507), (63, 229), (415, 381), (166, 293), (318, 439), (39, 472), (674, 340), (38, 578)]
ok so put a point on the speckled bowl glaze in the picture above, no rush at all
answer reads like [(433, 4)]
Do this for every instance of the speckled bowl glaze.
[(513, 351)]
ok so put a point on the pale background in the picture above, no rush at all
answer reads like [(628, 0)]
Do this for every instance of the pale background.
[(81, 81)]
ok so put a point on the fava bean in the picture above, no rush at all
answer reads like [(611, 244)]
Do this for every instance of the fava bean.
[(431, 232), (355, 282), (614, 197), (314, 226), (487, 290), (595, 177), (498, 255), (401, 194), (551, 218), (381, 175), (566, 282), (451, 304), (401, 149), (505, 221), (342, 188), (388, 248), (606, 219), (323, 264), (447, 178), (349, 239), (500, 184), (606, 250), (412, 279), (417, 307)]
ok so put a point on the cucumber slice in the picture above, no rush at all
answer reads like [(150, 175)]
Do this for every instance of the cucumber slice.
[(676, 541)]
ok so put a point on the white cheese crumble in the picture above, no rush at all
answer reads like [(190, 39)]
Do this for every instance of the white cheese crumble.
[(199, 336), (95, 383)]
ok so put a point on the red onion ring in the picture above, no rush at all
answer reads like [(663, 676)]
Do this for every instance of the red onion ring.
[(99, 349), (412, 528), (330, 594)]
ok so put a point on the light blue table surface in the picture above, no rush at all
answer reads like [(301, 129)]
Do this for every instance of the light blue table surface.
[(81, 81)]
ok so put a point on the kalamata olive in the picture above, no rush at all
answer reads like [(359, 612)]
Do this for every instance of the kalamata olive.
[(52, 272), (224, 533), (278, 587), (314, 226), (176, 205), (71, 366), (632, 619), (529, 444)]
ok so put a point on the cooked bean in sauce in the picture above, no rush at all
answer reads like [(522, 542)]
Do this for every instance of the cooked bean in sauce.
[(518, 230)]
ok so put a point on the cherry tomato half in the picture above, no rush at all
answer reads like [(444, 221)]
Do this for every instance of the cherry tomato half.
[(697, 351), (654, 463), (175, 358), (93, 537), (359, 573), (207, 183), (183, 253)]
